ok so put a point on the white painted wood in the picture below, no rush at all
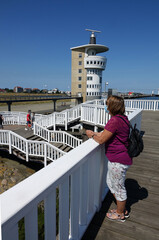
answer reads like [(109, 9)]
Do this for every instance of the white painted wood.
[(27, 153), (74, 205), (10, 233), (64, 210), (31, 224), (83, 193), (91, 181), (50, 216), (45, 155), (10, 143), (42, 185)]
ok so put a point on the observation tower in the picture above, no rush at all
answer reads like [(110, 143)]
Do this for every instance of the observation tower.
[(87, 68)]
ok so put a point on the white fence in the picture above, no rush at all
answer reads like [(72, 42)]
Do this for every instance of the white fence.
[(80, 177), (152, 105), (63, 118), (97, 116), (56, 136), (19, 118), (30, 148), (92, 112)]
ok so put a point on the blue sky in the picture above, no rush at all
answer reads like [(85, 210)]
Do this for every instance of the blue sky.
[(36, 37)]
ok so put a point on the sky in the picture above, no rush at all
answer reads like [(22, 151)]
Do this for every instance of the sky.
[(36, 37)]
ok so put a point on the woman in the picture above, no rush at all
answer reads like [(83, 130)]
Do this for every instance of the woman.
[(115, 136)]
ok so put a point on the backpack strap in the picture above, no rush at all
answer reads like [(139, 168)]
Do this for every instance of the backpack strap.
[(129, 125)]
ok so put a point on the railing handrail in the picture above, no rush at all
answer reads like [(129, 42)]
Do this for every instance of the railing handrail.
[(50, 132), (80, 176), (57, 174), (10, 144)]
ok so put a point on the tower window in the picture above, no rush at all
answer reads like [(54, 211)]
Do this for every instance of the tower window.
[(79, 85), (89, 78), (80, 55), (79, 70), (79, 78), (80, 63)]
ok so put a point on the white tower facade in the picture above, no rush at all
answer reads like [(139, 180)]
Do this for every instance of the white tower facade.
[(90, 65)]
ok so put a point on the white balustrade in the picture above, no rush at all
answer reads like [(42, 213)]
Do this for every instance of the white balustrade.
[(96, 115), (56, 136), (152, 105), (79, 176), (28, 147), (81, 183), (19, 118)]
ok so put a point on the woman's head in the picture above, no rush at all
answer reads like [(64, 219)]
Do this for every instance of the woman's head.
[(115, 105)]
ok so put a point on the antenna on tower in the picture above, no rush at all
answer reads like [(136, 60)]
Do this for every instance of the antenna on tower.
[(92, 37)]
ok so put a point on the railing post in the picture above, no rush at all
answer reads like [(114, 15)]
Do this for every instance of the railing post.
[(10, 143), (19, 118), (83, 193), (48, 136), (95, 118), (54, 121), (64, 210), (45, 155), (63, 134), (34, 128), (155, 103), (27, 154), (81, 112), (74, 206), (66, 121)]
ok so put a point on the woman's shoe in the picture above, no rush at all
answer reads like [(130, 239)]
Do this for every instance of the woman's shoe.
[(126, 213), (114, 216)]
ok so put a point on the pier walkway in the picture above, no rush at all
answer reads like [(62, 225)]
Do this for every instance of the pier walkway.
[(142, 184)]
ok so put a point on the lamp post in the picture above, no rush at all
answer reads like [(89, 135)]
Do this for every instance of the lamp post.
[(106, 83)]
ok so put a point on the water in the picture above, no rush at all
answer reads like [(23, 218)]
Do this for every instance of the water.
[(149, 98)]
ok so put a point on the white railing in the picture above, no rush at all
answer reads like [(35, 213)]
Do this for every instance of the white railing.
[(142, 104), (19, 118), (80, 177), (96, 115), (30, 148), (63, 118), (56, 136)]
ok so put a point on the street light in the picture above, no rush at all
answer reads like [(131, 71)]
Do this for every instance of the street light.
[(106, 83)]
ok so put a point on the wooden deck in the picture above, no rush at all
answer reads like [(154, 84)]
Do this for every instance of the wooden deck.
[(142, 185)]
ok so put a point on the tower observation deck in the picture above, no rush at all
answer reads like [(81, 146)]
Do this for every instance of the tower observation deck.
[(87, 68)]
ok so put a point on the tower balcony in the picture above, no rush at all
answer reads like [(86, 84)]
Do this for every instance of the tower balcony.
[(97, 62)]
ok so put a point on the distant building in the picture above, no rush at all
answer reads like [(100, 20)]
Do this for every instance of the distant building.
[(2, 90), (55, 90), (18, 89), (112, 91), (44, 91), (36, 90), (87, 69), (27, 90)]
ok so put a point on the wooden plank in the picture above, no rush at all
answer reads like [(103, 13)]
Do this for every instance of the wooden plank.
[(143, 194)]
